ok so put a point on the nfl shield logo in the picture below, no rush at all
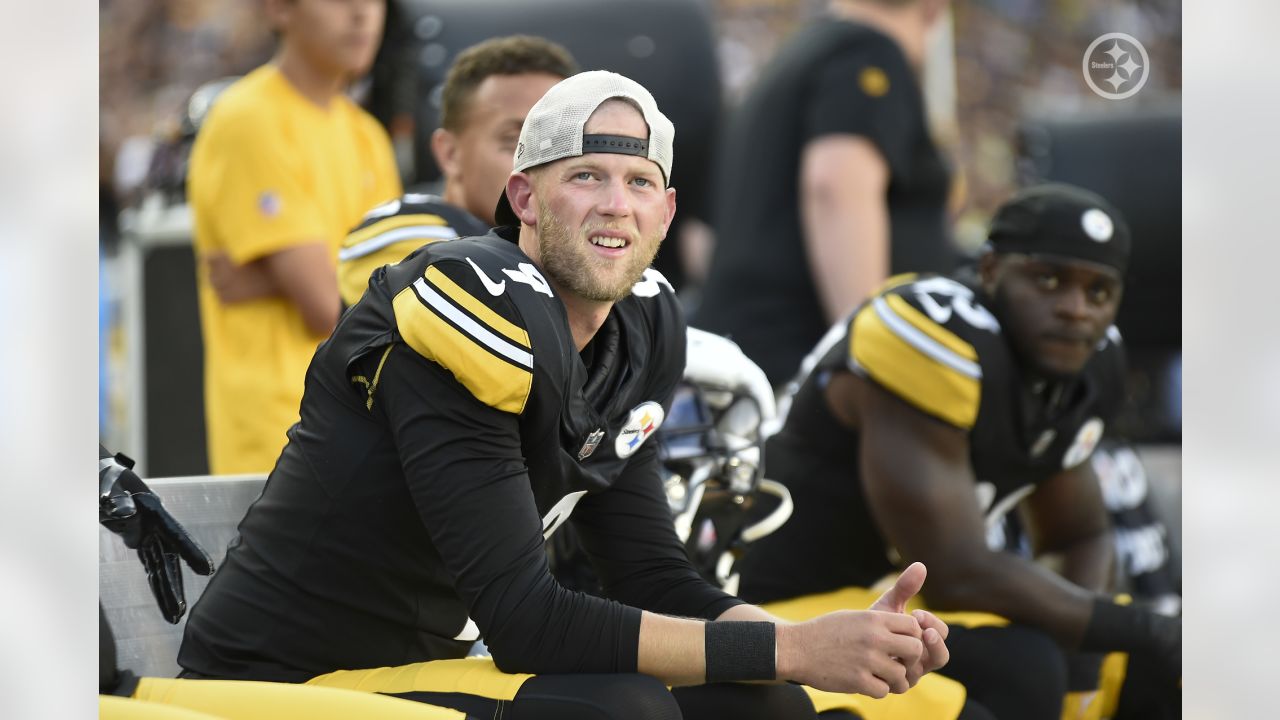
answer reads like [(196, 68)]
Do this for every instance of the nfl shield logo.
[(269, 204), (593, 440)]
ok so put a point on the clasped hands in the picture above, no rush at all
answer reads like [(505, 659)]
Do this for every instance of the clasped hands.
[(872, 652)]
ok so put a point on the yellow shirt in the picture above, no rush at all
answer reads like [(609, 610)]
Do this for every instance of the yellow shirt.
[(271, 170)]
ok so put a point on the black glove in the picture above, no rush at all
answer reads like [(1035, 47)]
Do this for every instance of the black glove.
[(128, 508)]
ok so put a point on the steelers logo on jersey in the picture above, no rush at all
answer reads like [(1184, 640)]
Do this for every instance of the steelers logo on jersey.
[(1086, 440), (873, 81), (643, 420)]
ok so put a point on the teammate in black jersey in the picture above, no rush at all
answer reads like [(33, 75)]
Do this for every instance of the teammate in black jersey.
[(939, 406), (479, 393), (485, 98)]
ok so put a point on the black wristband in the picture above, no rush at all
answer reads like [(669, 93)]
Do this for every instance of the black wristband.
[(1124, 627), (740, 651)]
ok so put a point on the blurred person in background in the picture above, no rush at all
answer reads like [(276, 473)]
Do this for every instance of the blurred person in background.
[(830, 181), (936, 409), (487, 93), (284, 165)]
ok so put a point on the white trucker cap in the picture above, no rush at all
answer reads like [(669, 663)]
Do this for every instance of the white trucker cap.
[(553, 128)]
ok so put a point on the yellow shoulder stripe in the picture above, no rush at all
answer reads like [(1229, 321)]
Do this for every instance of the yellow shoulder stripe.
[(395, 222), (353, 273), (949, 388), (894, 281), (169, 699), (926, 325), (494, 363), (454, 292)]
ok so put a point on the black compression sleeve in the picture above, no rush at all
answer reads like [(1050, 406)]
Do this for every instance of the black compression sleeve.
[(1123, 627), (466, 475), (628, 533)]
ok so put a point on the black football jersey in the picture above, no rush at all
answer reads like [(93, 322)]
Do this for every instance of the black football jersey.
[(932, 342), (447, 428)]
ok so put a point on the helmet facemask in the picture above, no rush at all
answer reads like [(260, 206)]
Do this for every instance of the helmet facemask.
[(711, 447)]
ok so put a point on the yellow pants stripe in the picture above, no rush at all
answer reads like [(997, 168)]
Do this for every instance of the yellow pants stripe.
[(243, 700), (471, 676), (118, 708), (933, 698)]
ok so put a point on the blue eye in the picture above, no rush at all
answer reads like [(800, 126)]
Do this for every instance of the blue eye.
[(642, 182)]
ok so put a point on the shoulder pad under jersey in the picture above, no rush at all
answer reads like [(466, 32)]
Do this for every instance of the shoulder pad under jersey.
[(922, 341), (461, 309), (391, 231)]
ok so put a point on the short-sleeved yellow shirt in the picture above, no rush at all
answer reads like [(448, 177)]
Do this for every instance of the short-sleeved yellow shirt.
[(271, 170)]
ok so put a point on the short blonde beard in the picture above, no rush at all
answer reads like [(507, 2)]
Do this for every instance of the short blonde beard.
[(563, 264)]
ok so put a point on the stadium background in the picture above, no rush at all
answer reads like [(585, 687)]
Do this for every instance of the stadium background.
[(1004, 75)]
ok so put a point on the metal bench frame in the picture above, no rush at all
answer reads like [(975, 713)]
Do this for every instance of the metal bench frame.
[(211, 509)]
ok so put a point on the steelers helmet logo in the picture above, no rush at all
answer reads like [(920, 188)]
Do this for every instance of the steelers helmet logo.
[(873, 81), (1097, 225), (644, 419)]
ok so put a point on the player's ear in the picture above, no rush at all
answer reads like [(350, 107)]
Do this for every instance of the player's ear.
[(520, 193), (278, 15), (671, 210), (444, 148), (988, 265)]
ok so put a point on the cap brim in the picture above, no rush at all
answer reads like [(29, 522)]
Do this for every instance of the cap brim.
[(1062, 257), (503, 214)]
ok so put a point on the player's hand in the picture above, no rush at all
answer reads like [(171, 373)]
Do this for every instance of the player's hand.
[(127, 507), (934, 631), (851, 651), (237, 283)]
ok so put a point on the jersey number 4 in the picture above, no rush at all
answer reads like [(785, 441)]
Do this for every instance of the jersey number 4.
[(560, 512)]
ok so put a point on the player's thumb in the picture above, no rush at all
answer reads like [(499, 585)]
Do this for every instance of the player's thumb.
[(908, 584)]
